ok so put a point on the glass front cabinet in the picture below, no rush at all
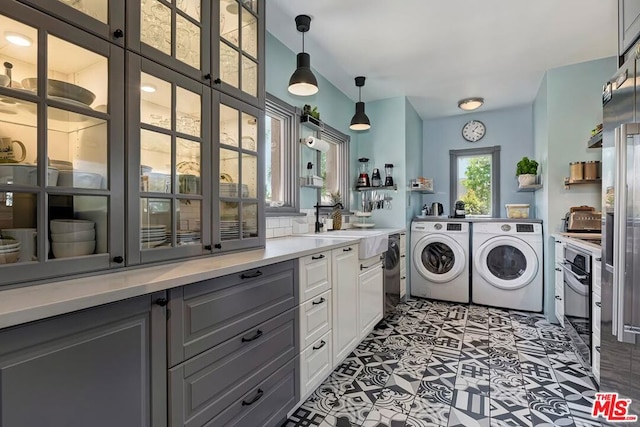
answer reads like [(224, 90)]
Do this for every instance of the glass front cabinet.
[(112, 155)]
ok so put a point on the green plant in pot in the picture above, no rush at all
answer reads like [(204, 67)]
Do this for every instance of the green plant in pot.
[(526, 171)]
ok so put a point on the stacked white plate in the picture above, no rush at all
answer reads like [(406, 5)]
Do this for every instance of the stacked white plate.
[(72, 237), (186, 237), (230, 189), (229, 230), (9, 250), (152, 236)]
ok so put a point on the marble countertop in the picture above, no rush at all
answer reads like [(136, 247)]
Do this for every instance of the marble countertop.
[(571, 238), (29, 303)]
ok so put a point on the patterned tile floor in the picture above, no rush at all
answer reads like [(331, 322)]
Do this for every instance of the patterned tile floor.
[(433, 363)]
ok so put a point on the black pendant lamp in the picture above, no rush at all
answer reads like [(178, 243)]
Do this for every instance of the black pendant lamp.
[(302, 81), (360, 121)]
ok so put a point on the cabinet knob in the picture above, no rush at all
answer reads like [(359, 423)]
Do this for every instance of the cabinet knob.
[(402, 256), (207, 76), (558, 298), (217, 246), (217, 81), (118, 34), (118, 259), (403, 277), (162, 302), (207, 247)]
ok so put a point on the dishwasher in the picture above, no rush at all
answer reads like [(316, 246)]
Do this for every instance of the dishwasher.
[(392, 274)]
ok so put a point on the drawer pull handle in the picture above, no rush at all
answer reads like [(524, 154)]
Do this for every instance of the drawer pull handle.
[(558, 297), (255, 399), (318, 302), (598, 259), (403, 256), (403, 277), (598, 348), (558, 269), (322, 344), (252, 275), (257, 335), (317, 257), (598, 304), (347, 250)]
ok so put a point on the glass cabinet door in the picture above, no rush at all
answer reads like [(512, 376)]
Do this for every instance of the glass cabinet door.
[(239, 207), (61, 126), (175, 33), (169, 202), (239, 67), (104, 18)]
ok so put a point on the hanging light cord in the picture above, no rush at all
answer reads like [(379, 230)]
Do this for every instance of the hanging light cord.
[(303, 42)]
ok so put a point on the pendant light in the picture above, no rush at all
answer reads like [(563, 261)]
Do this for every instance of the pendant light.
[(302, 81), (360, 121)]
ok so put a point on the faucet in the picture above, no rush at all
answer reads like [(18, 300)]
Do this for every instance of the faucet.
[(318, 207)]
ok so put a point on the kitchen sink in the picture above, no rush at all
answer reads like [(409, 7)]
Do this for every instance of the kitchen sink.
[(372, 242)]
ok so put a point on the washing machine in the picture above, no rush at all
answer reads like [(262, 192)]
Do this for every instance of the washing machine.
[(440, 260), (507, 265)]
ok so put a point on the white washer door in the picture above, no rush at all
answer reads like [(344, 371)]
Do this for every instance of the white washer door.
[(438, 258), (506, 262)]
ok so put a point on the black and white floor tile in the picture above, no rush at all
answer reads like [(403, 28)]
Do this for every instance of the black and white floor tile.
[(432, 363)]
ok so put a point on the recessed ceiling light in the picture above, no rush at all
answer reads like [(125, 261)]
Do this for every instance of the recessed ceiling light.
[(149, 88), (17, 39), (470, 104)]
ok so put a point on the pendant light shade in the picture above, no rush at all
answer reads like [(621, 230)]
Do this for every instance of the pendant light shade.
[(360, 121), (302, 81)]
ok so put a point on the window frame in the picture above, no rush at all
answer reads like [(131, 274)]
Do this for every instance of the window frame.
[(343, 142), (290, 116), (495, 174)]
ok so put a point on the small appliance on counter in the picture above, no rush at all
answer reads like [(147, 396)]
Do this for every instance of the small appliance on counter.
[(437, 209), (388, 170), (363, 177), (459, 210), (583, 219)]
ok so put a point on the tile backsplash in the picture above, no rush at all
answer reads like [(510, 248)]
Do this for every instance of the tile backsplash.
[(287, 225)]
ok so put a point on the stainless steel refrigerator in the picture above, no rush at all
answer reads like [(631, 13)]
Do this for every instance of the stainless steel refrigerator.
[(620, 315)]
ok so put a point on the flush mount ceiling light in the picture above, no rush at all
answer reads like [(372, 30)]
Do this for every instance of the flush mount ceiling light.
[(470, 104), (360, 121), (147, 87), (302, 81), (17, 39)]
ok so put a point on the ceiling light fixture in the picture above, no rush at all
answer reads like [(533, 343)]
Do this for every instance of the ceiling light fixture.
[(470, 104), (360, 121), (302, 81), (149, 88), (17, 39)]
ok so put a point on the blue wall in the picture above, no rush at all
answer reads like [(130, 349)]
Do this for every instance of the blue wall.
[(510, 128)]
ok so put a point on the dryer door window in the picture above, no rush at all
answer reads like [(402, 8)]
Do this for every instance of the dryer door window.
[(506, 262), (439, 258)]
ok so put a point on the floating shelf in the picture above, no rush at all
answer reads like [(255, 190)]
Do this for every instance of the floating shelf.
[(595, 141), (421, 190), (311, 122), (529, 188), (310, 186), (394, 187), (568, 183)]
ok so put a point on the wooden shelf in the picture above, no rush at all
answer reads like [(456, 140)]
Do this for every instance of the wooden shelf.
[(568, 183), (595, 141), (529, 188), (311, 123), (394, 187)]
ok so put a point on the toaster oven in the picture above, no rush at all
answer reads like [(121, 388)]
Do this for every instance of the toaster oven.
[(583, 219)]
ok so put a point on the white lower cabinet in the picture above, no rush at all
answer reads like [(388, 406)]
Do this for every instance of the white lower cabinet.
[(315, 364), (595, 356), (559, 294), (315, 275), (370, 299), (345, 301), (315, 318)]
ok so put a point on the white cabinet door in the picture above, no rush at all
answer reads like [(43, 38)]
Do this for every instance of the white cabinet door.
[(595, 356), (344, 274), (403, 285), (315, 275), (559, 250), (370, 299), (559, 294), (315, 318), (403, 243), (315, 364)]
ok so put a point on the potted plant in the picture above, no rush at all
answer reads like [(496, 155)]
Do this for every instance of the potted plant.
[(526, 171)]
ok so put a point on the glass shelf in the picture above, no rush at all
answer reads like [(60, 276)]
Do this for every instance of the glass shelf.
[(595, 141), (421, 190), (529, 188)]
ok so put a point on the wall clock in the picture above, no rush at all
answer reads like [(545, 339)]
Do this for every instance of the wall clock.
[(473, 131)]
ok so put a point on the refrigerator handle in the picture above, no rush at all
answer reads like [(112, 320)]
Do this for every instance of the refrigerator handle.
[(616, 232)]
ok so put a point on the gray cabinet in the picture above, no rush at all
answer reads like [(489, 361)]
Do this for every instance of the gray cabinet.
[(99, 367), (628, 24)]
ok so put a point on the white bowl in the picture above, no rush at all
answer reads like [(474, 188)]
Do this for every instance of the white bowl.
[(78, 179), (12, 173), (9, 258), (66, 250), (75, 236), (70, 225)]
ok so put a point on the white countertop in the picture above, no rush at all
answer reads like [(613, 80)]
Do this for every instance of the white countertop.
[(584, 244), (29, 303)]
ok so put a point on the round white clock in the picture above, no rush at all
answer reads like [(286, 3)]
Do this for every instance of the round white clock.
[(473, 131)]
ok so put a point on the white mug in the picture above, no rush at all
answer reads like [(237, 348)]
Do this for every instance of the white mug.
[(6, 150), (28, 242)]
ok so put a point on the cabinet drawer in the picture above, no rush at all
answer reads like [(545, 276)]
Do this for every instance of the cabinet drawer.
[(208, 313), (315, 275), (403, 243), (315, 364), (199, 386), (315, 318), (596, 304), (265, 404)]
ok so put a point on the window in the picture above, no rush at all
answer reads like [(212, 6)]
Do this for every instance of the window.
[(475, 179), (334, 166), (281, 133)]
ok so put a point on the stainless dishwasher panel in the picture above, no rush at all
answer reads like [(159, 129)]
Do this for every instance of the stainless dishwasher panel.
[(392, 274)]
